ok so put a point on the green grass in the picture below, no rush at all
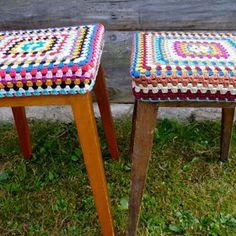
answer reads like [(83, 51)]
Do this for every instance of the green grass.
[(188, 191)]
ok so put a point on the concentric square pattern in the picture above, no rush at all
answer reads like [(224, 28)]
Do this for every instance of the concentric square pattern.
[(50, 61), (184, 66)]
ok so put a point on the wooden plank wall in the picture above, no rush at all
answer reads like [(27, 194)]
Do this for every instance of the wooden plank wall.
[(120, 18), (120, 14)]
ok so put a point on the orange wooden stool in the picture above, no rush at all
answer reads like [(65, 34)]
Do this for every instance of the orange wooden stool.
[(58, 66), (177, 69)]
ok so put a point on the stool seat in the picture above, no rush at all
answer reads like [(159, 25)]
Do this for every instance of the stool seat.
[(50, 61), (184, 66)]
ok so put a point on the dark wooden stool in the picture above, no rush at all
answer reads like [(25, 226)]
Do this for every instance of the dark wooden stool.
[(177, 69)]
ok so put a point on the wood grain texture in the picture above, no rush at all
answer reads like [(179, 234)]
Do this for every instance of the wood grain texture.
[(145, 122), (89, 141), (39, 100), (133, 127), (120, 14), (227, 123)]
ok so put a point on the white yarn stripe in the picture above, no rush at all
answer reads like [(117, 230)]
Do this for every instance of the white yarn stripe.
[(184, 89)]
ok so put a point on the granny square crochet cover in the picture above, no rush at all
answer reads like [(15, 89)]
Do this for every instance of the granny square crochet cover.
[(50, 61), (184, 66)]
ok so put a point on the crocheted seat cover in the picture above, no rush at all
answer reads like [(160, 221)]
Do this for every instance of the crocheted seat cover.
[(50, 61), (184, 66)]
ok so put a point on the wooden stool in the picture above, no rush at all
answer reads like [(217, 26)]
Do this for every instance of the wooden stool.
[(58, 66), (177, 69)]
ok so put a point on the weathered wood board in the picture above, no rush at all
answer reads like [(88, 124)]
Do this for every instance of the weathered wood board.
[(116, 62), (120, 14)]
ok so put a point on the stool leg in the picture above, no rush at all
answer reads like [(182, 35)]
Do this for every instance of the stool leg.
[(226, 132), (133, 127), (105, 111), (88, 136), (142, 145), (23, 131)]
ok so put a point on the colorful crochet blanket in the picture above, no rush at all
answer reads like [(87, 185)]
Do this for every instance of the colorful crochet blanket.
[(50, 61), (184, 66)]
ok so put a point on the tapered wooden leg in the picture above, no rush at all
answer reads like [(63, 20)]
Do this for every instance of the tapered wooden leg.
[(133, 127), (144, 127), (23, 131), (226, 132), (88, 136), (105, 111)]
